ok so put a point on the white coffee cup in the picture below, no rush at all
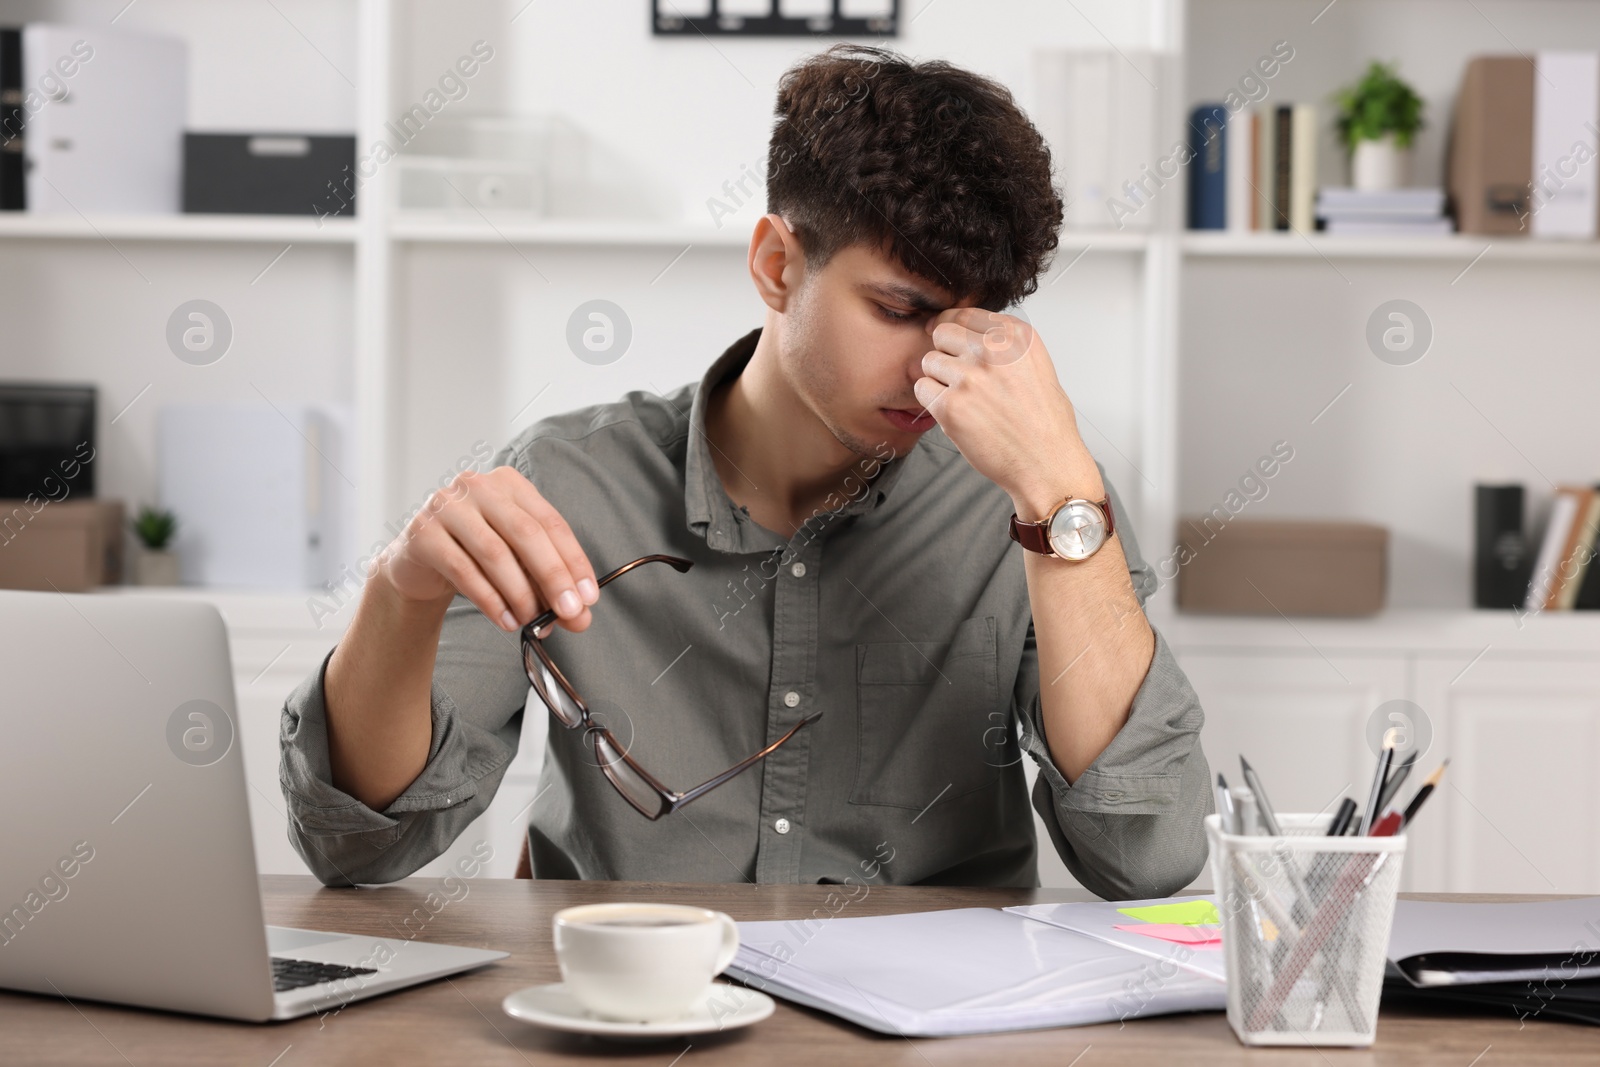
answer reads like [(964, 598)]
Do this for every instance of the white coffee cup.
[(642, 962)]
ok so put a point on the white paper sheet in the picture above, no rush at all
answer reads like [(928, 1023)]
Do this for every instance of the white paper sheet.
[(970, 970)]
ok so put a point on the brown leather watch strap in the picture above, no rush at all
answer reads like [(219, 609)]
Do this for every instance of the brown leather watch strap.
[(1035, 536)]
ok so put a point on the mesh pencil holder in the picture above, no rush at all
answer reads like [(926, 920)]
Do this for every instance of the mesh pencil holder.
[(1305, 930)]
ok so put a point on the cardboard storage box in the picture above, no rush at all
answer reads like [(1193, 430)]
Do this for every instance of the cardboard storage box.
[(67, 547), (1258, 567)]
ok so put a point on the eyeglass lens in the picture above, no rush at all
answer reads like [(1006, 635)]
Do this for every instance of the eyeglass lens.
[(638, 792), (551, 693)]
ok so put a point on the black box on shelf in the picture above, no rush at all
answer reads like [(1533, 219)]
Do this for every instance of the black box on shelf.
[(269, 174), (46, 440), (12, 183), (1502, 559)]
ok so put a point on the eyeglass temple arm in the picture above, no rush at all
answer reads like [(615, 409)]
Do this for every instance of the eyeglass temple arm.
[(742, 766), (677, 563)]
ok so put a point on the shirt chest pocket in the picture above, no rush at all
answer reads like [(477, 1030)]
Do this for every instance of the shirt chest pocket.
[(922, 712)]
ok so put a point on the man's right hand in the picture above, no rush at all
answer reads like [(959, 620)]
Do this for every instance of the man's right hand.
[(494, 539)]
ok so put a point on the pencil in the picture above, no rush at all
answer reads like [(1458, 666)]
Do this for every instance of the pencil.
[(1423, 792)]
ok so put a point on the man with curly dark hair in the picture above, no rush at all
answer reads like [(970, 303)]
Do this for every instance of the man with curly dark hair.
[(894, 569)]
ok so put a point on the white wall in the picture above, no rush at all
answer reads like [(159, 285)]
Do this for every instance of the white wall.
[(688, 113)]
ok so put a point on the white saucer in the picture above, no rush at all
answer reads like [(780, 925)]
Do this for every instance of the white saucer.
[(724, 1007)]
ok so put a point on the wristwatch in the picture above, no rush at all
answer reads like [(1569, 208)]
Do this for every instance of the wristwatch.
[(1075, 529)]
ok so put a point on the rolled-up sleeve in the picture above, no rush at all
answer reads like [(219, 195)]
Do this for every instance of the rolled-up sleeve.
[(477, 698), (1131, 826)]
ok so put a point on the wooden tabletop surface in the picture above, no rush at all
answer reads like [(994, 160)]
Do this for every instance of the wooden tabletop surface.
[(459, 1020)]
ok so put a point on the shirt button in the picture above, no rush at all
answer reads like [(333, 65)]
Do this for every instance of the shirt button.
[(798, 570), (791, 698), (782, 826)]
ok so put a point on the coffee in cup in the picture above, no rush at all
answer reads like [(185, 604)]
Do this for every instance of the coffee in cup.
[(642, 962)]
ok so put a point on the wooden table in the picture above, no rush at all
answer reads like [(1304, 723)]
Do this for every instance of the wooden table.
[(459, 1021)]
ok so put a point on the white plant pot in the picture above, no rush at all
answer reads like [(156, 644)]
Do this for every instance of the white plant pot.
[(155, 567), (1380, 165)]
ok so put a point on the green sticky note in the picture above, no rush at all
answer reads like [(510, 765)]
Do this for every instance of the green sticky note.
[(1184, 913)]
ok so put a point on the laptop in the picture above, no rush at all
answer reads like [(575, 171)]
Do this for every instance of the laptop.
[(127, 868)]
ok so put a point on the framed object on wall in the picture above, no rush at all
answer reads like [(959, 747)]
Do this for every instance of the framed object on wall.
[(775, 18)]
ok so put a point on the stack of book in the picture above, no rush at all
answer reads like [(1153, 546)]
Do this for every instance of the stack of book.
[(1253, 170), (1563, 575), (1386, 213)]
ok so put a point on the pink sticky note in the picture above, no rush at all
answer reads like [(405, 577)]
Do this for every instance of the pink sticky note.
[(1194, 936)]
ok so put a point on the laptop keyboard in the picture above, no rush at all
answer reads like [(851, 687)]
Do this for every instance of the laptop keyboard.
[(290, 974)]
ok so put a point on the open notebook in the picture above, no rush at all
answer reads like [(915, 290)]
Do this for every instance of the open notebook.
[(977, 970), (969, 971)]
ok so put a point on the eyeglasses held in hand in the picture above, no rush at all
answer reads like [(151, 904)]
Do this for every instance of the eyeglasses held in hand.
[(637, 786)]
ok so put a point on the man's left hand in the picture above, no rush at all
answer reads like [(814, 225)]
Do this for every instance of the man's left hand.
[(992, 386)]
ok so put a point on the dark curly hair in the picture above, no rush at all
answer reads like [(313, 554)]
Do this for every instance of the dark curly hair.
[(934, 164)]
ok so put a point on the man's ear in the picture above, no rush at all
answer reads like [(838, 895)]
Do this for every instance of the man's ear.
[(776, 261)]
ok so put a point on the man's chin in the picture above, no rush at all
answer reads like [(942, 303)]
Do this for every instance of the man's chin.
[(882, 442)]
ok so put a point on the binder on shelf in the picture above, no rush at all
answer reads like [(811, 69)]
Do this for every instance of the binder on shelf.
[(1490, 166), (11, 116), (1208, 194), (110, 138), (1097, 111), (1501, 564), (257, 491), (1566, 111)]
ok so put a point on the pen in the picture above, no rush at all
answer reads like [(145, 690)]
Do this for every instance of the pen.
[(1269, 818), (1423, 793), (1225, 812), (1246, 810), (1392, 786), (1341, 817), (1385, 759), (1269, 821)]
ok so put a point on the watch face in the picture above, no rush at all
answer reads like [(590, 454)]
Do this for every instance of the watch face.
[(1078, 529)]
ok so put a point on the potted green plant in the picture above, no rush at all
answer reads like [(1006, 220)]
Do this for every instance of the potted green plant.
[(1378, 117), (156, 563)]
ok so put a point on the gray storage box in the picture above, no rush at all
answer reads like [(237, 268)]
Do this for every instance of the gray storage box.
[(1259, 567)]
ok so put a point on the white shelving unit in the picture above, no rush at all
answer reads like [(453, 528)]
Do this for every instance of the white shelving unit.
[(1187, 354), (1458, 246), (213, 228)]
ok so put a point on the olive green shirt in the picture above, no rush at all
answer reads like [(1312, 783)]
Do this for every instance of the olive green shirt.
[(902, 615)]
